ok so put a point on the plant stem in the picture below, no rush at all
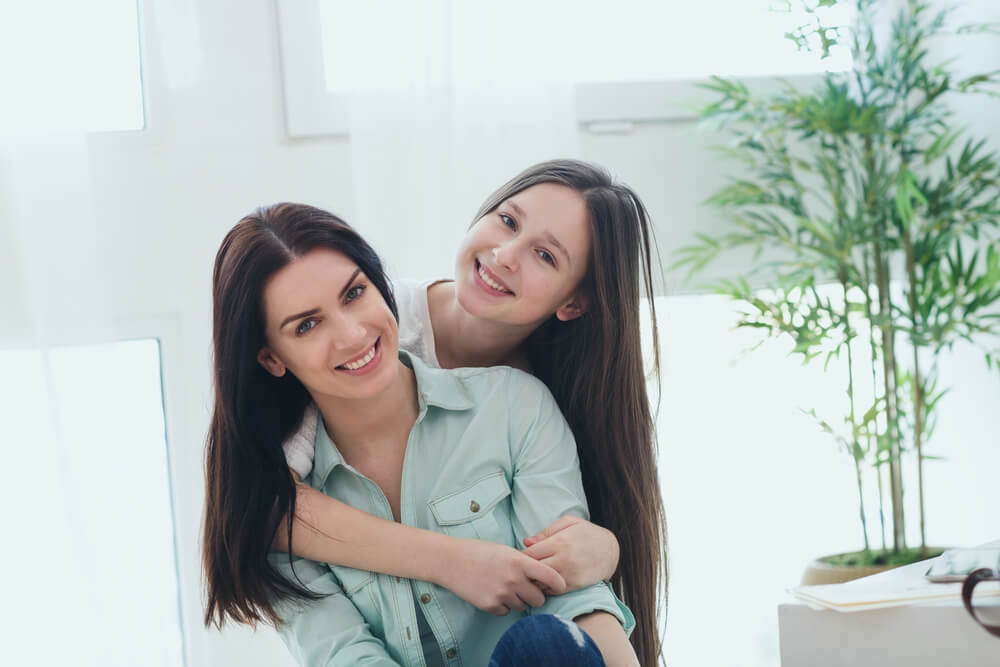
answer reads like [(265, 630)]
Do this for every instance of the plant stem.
[(873, 346), (918, 388), (888, 355), (856, 451)]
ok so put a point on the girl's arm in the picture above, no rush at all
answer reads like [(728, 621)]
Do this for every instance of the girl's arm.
[(492, 577), (582, 552), (610, 638)]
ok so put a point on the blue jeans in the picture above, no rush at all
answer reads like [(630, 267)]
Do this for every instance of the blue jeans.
[(545, 640)]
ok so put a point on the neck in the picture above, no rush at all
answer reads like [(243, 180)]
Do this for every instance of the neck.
[(462, 340), (359, 426)]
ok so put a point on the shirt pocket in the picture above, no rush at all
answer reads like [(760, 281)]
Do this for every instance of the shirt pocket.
[(361, 588), (477, 510)]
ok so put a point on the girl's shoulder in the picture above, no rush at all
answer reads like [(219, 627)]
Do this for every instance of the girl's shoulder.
[(416, 334)]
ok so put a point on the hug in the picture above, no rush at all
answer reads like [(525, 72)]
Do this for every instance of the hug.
[(439, 472)]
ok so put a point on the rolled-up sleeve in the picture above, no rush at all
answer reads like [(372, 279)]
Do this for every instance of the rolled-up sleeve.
[(546, 484), (598, 597), (329, 632)]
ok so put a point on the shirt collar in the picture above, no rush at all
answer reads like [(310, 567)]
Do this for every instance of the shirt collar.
[(435, 387)]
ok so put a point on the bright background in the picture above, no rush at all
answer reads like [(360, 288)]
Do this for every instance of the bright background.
[(134, 134)]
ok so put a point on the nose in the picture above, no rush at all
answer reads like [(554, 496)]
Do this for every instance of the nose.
[(505, 255), (350, 334)]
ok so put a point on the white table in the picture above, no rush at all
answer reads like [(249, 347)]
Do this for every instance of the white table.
[(927, 635)]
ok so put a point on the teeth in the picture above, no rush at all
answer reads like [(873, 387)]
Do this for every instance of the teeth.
[(490, 282), (362, 362)]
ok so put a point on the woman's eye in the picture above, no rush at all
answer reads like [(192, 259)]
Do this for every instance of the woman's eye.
[(304, 326), (508, 221), (546, 257), (354, 293)]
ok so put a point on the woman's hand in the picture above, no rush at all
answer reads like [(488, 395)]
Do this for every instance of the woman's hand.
[(496, 578), (582, 552)]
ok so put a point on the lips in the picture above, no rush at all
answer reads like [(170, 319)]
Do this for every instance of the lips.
[(490, 282), (365, 362)]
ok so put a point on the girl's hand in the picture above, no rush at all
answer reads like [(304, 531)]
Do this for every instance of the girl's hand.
[(582, 552), (496, 578)]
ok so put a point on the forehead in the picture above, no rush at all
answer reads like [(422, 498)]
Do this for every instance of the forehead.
[(558, 210), (307, 282)]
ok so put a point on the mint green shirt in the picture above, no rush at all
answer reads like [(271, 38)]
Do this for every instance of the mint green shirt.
[(490, 457)]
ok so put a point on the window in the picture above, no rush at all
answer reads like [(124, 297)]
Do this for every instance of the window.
[(330, 47), (89, 552), (70, 66)]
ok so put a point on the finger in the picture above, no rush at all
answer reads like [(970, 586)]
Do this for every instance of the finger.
[(531, 595), (545, 575), (559, 524), (498, 610), (541, 549), (513, 602)]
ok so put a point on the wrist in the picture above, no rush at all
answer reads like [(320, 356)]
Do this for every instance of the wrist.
[(444, 557), (614, 554)]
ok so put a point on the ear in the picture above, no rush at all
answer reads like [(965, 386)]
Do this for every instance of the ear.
[(573, 308), (271, 363)]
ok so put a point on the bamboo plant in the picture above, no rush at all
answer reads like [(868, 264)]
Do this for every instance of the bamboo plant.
[(865, 182)]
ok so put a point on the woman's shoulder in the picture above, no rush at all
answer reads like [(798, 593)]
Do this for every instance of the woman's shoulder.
[(518, 386)]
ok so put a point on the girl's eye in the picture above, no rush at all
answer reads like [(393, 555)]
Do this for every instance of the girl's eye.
[(508, 221), (354, 293), (305, 326), (546, 257)]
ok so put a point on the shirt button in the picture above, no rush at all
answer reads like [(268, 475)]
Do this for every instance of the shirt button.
[(474, 506), (425, 598), (451, 653)]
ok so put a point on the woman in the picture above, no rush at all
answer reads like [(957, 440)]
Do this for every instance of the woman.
[(569, 313), (302, 312)]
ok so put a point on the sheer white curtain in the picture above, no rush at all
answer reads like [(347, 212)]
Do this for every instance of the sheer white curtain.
[(88, 514), (439, 118), (89, 558)]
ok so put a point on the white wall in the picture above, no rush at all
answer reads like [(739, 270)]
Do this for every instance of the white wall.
[(161, 199)]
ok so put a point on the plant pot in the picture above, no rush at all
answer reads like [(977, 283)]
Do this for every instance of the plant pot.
[(820, 571)]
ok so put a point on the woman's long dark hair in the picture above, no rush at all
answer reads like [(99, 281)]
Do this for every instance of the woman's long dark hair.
[(248, 487), (593, 366)]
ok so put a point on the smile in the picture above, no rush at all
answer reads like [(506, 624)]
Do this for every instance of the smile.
[(365, 362), (491, 280)]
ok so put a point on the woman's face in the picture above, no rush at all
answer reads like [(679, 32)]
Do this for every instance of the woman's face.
[(524, 261), (329, 326)]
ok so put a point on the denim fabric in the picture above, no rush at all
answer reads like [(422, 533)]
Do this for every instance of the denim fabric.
[(546, 640)]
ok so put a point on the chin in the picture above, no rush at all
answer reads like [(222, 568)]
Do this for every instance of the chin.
[(465, 293)]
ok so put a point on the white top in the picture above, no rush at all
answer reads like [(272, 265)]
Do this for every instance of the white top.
[(416, 336)]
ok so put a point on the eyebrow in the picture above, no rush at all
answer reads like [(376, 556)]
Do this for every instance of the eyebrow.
[(313, 311), (548, 235)]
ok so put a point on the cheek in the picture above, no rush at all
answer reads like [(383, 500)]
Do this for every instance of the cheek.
[(480, 235), (551, 290), (542, 279), (311, 355)]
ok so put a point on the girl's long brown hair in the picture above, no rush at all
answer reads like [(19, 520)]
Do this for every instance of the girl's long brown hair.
[(248, 488), (593, 366)]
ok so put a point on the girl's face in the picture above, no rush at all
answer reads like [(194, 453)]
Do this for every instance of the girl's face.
[(524, 261), (329, 326)]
